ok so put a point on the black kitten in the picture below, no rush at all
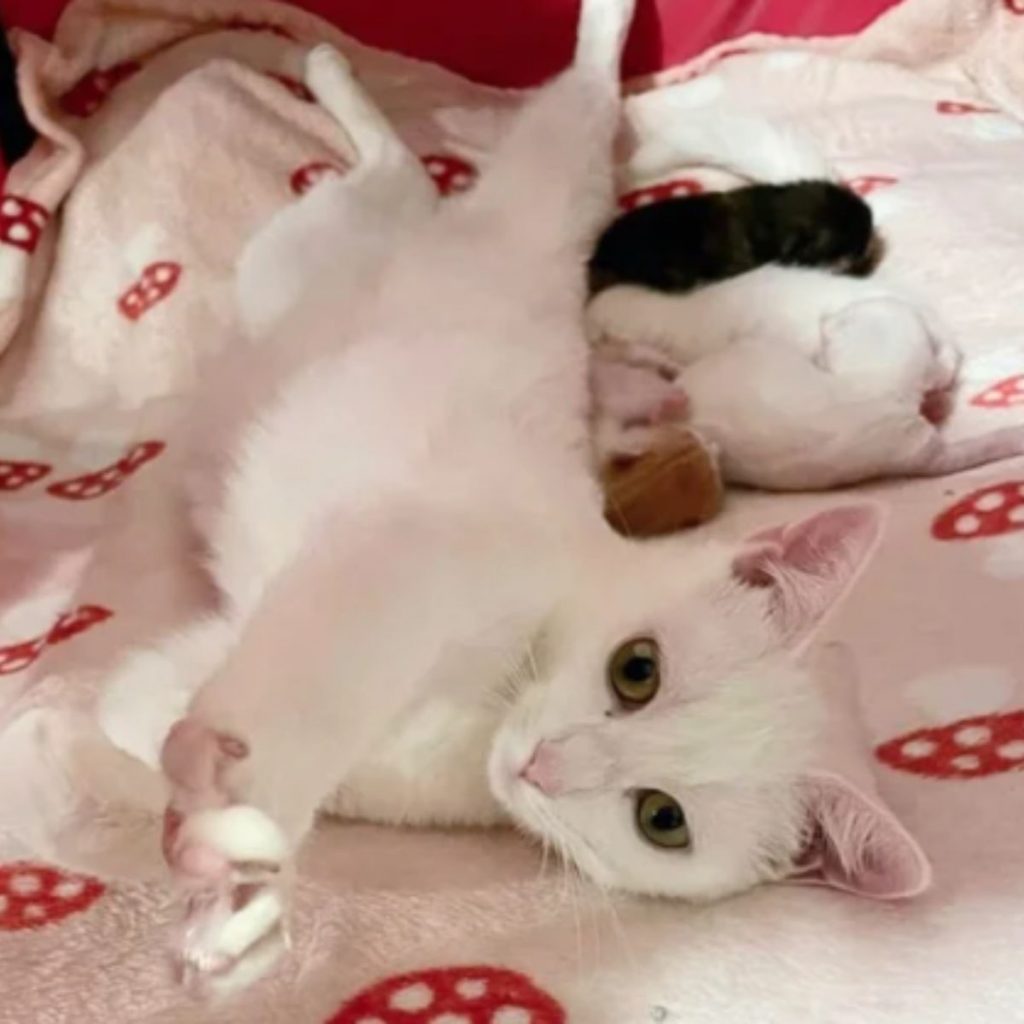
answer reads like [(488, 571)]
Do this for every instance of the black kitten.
[(686, 241)]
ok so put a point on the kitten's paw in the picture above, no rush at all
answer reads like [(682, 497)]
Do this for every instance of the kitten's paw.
[(636, 389), (324, 67), (230, 863)]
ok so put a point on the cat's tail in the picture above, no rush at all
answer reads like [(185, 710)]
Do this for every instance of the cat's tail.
[(748, 146)]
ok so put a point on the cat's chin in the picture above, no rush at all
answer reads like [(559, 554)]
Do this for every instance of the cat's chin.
[(510, 753)]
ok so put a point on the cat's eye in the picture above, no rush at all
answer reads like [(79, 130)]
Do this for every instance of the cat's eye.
[(661, 820), (634, 673)]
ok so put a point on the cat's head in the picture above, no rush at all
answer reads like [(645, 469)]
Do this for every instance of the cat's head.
[(673, 745)]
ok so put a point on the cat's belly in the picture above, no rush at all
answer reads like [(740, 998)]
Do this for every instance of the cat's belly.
[(432, 770)]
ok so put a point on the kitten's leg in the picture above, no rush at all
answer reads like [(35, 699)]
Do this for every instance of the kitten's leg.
[(940, 456), (338, 646), (386, 189), (550, 182), (150, 689)]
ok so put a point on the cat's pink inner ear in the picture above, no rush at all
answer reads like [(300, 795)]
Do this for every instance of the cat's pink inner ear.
[(857, 844), (809, 566)]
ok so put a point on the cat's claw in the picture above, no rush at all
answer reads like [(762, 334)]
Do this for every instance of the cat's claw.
[(229, 860)]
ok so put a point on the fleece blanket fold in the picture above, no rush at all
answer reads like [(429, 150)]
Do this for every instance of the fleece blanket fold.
[(169, 132)]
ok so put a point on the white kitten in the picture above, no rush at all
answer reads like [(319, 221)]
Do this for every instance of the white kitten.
[(437, 617), (802, 379)]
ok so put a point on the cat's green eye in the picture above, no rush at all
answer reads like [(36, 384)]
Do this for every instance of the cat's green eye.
[(661, 820), (634, 673)]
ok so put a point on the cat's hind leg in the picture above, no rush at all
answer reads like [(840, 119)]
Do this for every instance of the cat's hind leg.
[(344, 227), (550, 180)]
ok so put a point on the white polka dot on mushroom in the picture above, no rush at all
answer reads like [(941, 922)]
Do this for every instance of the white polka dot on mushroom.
[(512, 1015), (915, 749), (1012, 751), (460, 180), (19, 232), (990, 502), (1016, 515), (10, 207), (370, 1020), (471, 988), (3, 903), (972, 735), (967, 524), (966, 762), (412, 998), (24, 885), (68, 889), (34, 912), (451, 1018), (165, 273)]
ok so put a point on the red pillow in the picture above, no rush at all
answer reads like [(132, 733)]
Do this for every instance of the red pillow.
[(520, 42)]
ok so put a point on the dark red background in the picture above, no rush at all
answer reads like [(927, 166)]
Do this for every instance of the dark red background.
[(519, 42)]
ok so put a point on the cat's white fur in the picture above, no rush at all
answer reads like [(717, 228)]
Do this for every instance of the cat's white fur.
[(802, 379), (420, 594)]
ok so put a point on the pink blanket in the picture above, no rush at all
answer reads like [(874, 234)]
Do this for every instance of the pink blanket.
[(171, 132)]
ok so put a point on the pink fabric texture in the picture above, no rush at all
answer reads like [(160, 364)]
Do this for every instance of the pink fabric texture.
[(170, 135)]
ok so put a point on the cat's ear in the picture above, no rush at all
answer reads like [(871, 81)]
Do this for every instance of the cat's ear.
[(857, 844), (854, 841), (809, 566)]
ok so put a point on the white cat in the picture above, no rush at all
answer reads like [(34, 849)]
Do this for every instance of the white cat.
[(802, 379), (437, 618)]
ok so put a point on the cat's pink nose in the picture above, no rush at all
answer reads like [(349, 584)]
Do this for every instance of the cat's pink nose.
[(542, 770)]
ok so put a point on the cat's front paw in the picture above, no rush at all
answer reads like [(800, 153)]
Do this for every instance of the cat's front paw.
[(636, 388), (230, 861)]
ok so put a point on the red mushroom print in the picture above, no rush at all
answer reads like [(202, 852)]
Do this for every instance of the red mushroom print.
[(35, 895), (156, 282), (451, 174), (293, 85), (452, 995), (868, 183), (20, 656), (306, 176), (103, 481), (1014, 6), (16, 475), (658, 193), (70, 624), (1003, 395), (90, 92), (22, 222), (987, 512), (970, 748), (958, 107)]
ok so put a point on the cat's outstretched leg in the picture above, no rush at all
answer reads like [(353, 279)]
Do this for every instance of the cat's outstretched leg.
[(550, 181), (338, 646)]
